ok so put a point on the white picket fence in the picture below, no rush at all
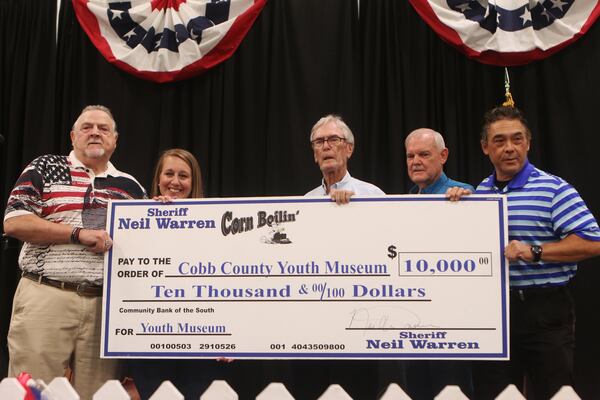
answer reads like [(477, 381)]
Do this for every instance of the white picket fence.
[(61, 389)]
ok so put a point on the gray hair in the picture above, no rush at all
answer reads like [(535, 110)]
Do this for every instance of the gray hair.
[(339, 123), (437, 137), (97, 107)]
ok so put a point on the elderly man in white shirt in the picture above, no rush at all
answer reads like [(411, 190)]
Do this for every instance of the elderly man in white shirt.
[(333, 143)]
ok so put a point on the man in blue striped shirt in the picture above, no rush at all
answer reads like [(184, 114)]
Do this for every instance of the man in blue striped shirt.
[(550, 230)]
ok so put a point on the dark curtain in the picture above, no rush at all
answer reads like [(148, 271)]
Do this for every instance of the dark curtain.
[(248, 119), (412, 79), (27, 54)]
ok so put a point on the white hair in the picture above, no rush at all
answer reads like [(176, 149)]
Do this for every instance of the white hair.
[(339, 123), (437, 137), (99, 108)]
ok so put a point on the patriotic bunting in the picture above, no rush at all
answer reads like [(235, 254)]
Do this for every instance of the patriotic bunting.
[(166, 40), (508, 32)]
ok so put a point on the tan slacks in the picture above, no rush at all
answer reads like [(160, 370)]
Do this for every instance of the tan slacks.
[(52, 330)]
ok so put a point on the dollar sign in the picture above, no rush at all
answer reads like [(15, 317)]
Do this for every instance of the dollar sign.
[(392, 251)]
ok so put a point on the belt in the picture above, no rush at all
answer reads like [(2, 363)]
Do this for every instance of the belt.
[(531, 292), (82, 289)]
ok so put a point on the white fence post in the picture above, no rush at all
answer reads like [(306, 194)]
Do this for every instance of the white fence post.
[(335, 392), (394, 392), (275, 391), (510, 393), (451, 392), (219, 390), (566, 393), (166, 391), (11, 389), (111, 390), (60, 389)]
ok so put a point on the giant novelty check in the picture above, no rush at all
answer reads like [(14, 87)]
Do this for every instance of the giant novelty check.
[(295, 277)]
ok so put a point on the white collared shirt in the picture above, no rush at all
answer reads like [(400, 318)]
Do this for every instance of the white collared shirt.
[(357, 186)]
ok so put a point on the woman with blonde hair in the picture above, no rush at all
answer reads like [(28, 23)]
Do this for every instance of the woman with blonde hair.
[(177, 176)]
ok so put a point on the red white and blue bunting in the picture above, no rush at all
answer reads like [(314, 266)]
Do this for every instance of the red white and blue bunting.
[(166, 40), (508, 32)]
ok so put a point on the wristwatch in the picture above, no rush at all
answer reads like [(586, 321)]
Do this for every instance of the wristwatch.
[(537, 252)]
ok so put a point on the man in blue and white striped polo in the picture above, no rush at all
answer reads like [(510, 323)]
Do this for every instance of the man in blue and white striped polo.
[(550, 230)]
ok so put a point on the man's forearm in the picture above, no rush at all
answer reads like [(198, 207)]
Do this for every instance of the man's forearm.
[(33, 229), (570, 249)]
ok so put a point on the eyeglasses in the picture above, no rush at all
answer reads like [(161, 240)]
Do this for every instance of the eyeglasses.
[(332, 140)]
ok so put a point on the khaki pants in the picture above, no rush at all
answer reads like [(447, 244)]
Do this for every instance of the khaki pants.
[(52, 330)]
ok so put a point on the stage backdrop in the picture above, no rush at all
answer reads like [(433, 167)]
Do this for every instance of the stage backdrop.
[(248, 119)]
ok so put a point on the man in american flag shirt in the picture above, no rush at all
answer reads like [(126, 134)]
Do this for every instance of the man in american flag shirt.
[(58, 209)]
